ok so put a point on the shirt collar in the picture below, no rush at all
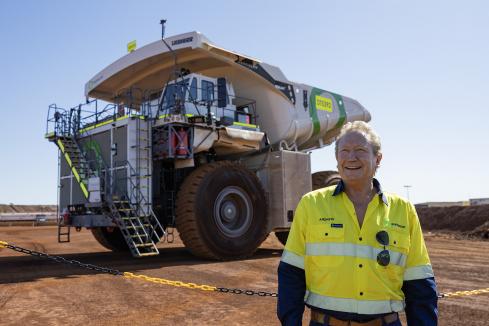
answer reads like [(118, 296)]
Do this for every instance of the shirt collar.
[(340, 187)]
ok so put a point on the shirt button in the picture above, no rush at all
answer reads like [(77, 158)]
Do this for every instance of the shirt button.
[(360, 265), (360, 239), (326, 234), (361, 293)]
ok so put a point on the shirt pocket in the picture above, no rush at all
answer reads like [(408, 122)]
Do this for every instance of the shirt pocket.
[(325, 233), (399, 242), (325, 246)]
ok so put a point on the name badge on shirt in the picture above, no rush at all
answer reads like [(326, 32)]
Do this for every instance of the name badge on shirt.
[(334, 225)]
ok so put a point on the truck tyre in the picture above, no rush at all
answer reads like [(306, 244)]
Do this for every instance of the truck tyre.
[(221, 211), (111, 238), (320, 180), (323, 179)]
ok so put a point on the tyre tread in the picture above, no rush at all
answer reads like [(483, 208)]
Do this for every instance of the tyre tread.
[(186, 222)]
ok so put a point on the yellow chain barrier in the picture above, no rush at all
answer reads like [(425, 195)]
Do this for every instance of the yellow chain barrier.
[(202, 287), (169, 282), (462, 293)]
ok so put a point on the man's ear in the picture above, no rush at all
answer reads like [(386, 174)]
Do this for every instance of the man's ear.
[(378, 159)]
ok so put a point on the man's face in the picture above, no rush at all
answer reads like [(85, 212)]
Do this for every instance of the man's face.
[(356, 160)]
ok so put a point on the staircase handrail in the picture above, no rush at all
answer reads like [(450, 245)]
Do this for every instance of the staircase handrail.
[(143, 201)]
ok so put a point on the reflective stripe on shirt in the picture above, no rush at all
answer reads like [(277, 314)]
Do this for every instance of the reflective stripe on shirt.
[(352, 250), (367, 307), (293, 259), (418, 272)]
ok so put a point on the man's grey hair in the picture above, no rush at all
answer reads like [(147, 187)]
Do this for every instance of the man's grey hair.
[(363, 128)]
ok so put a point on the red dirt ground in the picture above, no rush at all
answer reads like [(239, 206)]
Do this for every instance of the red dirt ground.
[(39, 292)]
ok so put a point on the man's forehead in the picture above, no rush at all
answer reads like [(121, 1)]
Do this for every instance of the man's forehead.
[(353, 139)]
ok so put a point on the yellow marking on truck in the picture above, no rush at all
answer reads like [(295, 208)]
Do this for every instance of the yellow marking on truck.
[(87, 129), (244, 124), (107, 122), (84, 189), (104, 123), (97, 125), (324, 103), (122, 118), (68, 160), (61, 146), (75, 173), (188, 115)]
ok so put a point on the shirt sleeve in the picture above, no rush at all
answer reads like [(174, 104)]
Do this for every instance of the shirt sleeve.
[(291, 275), (419, 285), (418, 265), (421, 302), (291, 291)]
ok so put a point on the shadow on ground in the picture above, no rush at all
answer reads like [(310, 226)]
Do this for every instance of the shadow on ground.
[(28, 268)]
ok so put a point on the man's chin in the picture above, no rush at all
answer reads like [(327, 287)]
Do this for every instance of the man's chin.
[(353, 177)]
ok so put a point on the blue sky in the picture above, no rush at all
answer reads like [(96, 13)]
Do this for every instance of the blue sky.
[(419, 67)]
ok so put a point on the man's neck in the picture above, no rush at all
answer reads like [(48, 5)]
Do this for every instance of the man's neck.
[(360, 192)]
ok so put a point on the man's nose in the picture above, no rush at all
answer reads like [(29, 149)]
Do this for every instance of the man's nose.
[(352, 156)]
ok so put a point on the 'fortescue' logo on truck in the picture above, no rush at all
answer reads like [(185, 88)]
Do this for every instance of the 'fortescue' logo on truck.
[(182, 40)]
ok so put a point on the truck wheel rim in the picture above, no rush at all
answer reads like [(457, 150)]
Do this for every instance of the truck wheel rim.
[(233, 211)]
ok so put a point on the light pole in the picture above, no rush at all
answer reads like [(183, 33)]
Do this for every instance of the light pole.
[(407, 190)]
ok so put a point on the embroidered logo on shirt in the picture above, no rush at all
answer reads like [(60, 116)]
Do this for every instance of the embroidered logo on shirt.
[(333, 225), (398, 225), (326, 219)]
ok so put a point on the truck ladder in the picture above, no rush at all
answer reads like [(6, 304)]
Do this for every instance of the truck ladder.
[(79, 166), (136, 229), (138, 223), (75, 159)]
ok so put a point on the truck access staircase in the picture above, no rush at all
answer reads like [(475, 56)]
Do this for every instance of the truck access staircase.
[(76, 161), (128, 209), (133, 214)]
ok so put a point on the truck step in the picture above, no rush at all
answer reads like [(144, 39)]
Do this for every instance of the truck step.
[(149, 254), (139, 236), (144, 245), (138, 226)]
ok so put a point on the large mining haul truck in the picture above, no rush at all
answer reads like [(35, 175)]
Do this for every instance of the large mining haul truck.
[(184, 134)]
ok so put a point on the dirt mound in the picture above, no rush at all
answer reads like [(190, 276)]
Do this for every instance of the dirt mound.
[(480, 232), (12, 208), (469, 220)]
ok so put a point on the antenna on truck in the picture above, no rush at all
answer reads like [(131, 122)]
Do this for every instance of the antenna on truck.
[(175, 71), (162, 22)]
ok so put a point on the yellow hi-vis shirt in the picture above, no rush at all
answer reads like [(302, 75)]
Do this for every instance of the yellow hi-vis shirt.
[(340, 258)]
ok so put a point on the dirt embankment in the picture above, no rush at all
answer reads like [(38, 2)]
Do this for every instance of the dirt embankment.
[(12, 208), (471, 221)]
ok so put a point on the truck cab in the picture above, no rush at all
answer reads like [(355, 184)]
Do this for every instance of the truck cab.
[(199, 95)]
